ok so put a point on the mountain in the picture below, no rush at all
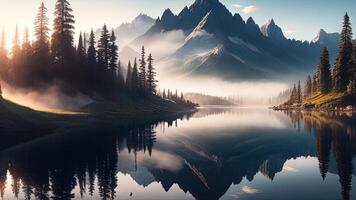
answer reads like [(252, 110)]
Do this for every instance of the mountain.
[(271, 30), (129, 31), (329, 40), (221, 44)]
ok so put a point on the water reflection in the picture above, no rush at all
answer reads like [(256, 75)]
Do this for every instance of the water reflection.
[(204, 156), (334, 132)]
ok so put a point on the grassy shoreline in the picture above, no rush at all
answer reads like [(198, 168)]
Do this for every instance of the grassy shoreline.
[(323, 102)]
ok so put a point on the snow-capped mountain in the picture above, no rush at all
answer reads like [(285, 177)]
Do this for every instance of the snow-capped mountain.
[(129, 31), (271, 30), (221, 44)]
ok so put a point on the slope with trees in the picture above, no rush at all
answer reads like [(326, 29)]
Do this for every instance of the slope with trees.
[(90, 67), (332, 87)]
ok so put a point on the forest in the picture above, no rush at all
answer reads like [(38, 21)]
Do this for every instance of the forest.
[(91, 66), (330, 87)]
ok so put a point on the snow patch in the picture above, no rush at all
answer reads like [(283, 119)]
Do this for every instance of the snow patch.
[(199, 34)]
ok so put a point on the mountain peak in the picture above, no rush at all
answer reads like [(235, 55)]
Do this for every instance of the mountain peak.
[(143, 18), (202, 2), (271, 30), (271, 22), (184, 12), (168, 20), (324, 38), (250, 21), (167, 14)]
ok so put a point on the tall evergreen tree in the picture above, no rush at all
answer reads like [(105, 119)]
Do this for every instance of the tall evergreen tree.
[(120, 76), (142, 73), (41, 33), (3, 41), (353, 63), (16, 48), (299, 93), (129, 76), (315, 84), (103, 47), (63, 31), (308, 87), (324, 75), (340, 76), (113, 50), (41, 47), (26, 52), (134, 78), (3, 50), (80, 48), (293, 96), (151, 74), (91, 49), (85, 43), (41, 26)]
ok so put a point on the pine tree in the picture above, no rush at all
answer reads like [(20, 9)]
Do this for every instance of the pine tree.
[(308, 87), (340, 76), (85, 43), (299, 93), (41, 34), (151, 74), (3, 51), (16, 48), (41, 48), (63, 31), (103, 47), (113, 50), (3, 42), (41, 27), (315, 84), (164, 96), (26, 52), (142, 73), (129, 76), (293, 96), (120, 75), (91, 49), (353, 63), (80, 48), (324, 75), (134, 78)]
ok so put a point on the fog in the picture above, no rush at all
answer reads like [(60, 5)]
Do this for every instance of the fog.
[(49, 100), (253, 92)]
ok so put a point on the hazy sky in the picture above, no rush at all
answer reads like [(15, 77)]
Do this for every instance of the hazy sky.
[(300, 19)]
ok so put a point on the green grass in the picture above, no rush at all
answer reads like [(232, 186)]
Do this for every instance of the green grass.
[(319, 99)]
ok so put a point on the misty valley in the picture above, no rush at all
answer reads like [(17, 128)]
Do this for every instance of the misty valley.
[(212, 99)]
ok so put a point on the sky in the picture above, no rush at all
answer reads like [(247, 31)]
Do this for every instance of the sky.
[(300, 19)]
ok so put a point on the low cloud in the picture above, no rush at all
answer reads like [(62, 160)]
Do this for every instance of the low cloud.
[(249, 9)]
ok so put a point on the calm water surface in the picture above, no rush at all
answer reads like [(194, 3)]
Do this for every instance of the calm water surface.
[(216, 153)]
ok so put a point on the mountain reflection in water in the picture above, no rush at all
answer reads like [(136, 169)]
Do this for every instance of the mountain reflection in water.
[(227, 153)]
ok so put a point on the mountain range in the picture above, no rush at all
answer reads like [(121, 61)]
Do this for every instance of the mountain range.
[(218, 43)]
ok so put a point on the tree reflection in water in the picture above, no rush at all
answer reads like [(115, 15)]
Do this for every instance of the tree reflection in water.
[(87, 158)]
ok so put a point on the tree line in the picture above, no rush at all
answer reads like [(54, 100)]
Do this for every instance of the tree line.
[(341, 78), (91, 66)]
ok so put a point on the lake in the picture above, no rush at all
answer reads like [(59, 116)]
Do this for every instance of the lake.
[(216, 153)]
